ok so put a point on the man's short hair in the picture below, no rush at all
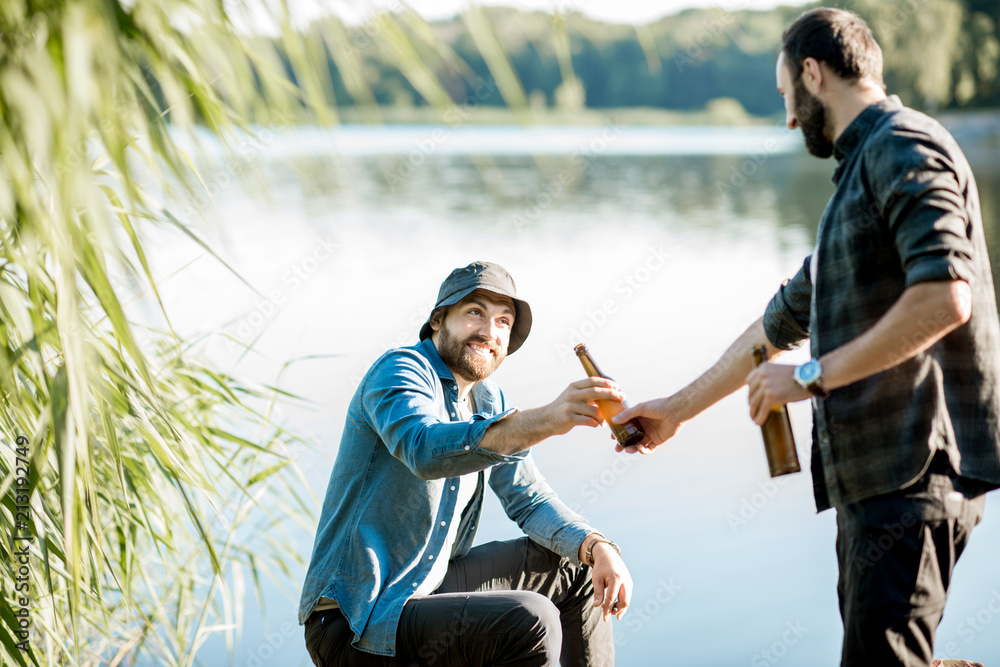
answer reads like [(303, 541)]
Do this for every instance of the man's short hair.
[(837, 37)]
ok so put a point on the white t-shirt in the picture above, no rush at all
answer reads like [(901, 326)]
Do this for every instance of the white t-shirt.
[(465, 487)]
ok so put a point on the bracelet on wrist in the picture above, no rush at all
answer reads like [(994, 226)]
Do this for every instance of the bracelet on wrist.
[(589, 555)]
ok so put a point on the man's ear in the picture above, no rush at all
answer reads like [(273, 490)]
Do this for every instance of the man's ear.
[(437, 317), (812, 76)]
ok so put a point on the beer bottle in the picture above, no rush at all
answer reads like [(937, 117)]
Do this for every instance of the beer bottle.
[(629, 433), (779, 444)]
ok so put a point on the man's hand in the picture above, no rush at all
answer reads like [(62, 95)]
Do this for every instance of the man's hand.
[(772, 385), (575, 405), (612, 581), (659, 419)]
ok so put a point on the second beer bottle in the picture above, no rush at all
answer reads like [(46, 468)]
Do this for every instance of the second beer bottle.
[(629, 433), (779, 444)]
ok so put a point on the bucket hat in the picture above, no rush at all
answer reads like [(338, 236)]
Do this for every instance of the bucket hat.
[(492, 278)]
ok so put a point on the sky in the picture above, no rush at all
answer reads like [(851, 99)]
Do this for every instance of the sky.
[(616, 11)]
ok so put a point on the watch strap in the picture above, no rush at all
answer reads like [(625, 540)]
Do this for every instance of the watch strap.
[(817, 390)]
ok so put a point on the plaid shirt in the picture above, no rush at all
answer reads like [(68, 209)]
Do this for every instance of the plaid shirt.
[(905, 211)]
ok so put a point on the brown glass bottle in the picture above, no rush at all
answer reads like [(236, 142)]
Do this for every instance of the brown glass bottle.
[(629, 433), (779, 444)]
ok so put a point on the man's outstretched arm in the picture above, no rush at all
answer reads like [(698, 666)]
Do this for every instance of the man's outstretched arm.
[(924, 314), (662, 417), (784, 325), (573, 407)]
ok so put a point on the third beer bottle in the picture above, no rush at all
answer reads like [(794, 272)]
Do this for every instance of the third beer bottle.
[(777, 430)]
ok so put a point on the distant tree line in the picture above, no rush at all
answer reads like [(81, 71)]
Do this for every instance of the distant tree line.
[(938, 54)]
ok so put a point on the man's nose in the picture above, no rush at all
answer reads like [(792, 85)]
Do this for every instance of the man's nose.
[(791, 121), (491, 329)]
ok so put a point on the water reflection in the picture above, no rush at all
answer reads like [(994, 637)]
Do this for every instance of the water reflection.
[(656, 261), (729, 195)]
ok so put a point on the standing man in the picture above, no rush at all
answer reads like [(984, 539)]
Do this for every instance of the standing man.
[(393, 580), (897, 302)]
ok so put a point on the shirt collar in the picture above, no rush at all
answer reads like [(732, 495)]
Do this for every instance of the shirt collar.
[(852, 137), (481, 395), (427, 348)]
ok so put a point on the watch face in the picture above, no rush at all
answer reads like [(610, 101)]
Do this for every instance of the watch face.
[(809, 372)]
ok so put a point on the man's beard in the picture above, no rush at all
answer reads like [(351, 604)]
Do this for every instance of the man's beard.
[(464, 363), (811, 116)]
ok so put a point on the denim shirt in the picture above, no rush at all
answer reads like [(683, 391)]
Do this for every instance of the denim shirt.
[(392, 492), (905, 211)]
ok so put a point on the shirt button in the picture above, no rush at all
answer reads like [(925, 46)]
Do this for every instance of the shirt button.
[(444, 523), (431, 557), (414, 584), (453, 488), (466, 448)]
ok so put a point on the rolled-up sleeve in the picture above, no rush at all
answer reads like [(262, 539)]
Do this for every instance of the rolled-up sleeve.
[(400, 404), (786, 319), (531, 503), (923, 204)]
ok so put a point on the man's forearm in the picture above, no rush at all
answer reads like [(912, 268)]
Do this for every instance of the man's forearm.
[(517, 431), (727, 375), (922, 315)]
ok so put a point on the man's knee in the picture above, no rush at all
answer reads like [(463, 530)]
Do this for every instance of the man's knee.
[(535, 619)]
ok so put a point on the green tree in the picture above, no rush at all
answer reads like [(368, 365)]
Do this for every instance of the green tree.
[(128, 465), (975, 75), (921, 41)]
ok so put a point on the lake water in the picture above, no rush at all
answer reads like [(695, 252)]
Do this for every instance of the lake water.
[(656, 247)]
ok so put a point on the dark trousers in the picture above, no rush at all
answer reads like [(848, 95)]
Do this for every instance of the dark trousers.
[(505, 603), (896, 555)]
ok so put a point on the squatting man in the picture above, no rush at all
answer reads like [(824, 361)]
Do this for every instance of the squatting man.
[(394, 578)]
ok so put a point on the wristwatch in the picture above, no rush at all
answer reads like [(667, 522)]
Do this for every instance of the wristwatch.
[(809, 375), (589, 556)]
